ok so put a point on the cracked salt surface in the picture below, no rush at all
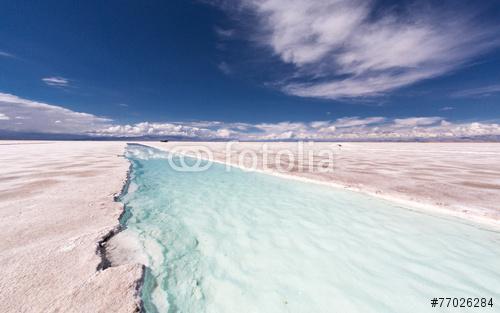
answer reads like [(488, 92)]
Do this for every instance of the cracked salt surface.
[(219, 241)]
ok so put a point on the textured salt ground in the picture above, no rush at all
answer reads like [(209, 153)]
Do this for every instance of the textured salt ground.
[(56, 203), (459, 179)]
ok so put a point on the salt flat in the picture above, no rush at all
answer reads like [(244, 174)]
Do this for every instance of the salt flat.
[(459, 179), (56, 203)]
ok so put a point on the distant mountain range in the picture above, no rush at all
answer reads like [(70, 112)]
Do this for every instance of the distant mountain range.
[(10, 135)]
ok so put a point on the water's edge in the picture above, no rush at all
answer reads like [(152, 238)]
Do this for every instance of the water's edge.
[(102, 242), (147, 284), (405, 203)]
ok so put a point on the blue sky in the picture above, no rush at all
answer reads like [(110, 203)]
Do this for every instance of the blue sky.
[(257, 69)]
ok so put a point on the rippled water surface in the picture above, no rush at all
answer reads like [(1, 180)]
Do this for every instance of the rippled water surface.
[(238, 242)]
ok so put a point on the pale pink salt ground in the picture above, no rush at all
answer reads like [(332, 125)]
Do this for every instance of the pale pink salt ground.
[(56, 203)]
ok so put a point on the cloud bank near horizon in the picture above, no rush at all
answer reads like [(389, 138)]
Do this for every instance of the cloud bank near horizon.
[(359, 48), (23, 115)]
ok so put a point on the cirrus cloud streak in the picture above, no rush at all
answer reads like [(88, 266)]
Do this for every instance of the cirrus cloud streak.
[(359, 48)]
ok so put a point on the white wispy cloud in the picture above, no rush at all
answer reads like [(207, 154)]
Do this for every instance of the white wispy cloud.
[(4, 117), (417, 121), (34, 116), (355, 121), (447, 108), (224, 68), (56, 81), (224, 32), (6, 54), (483, 91), (354, 48)]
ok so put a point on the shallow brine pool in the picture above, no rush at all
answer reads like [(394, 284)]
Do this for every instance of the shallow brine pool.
[(237, 242)]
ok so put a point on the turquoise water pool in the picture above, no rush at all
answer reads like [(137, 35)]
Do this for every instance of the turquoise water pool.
[(237, 242)]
